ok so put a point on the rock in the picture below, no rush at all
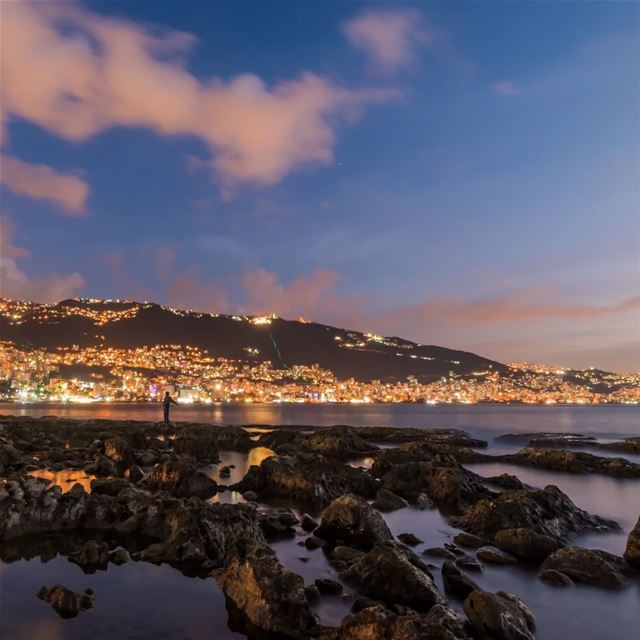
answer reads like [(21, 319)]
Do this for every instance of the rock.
[(388, 501), (346, 554), (588, 566), (328, 587), (526, 544), (308, 523), (308, 478), (67, 603), (423, 501), (456, 582), (469, 540), (338, 442), (109, 486), (119, 556), (630, 445), (395, 575), (91, 556), (439, 552), (353, 521), (410, 539), (545, 511), (442, 479), (101, 466), (311, 593), (119, 451), (146, 458), (250, 496), (181, 478), (573, 462), (467, 562), (499, 616), (135, 473), (556, 578), (377, 623), (224, 472), (202, 448), (270, 598), (278, 522), (313, 542), (506, 481), (494, 555), (632, 552)]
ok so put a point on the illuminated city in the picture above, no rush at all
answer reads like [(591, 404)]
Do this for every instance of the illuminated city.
[(195, 375)]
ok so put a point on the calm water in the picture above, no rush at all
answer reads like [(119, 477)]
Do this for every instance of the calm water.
[(142, 601)]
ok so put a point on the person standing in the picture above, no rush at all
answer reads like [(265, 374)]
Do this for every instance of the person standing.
[(166, 403)]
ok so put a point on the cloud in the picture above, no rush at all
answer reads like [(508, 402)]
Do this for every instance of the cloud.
[(506, 88), (389, 37), (76, 73), (15, 283), (69, 192)]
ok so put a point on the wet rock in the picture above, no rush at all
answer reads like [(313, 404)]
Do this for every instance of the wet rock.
[(340, 442), (353, 521), (135, 473), (574, 462), (395, 575), (388, 501), (269, 597), (119, 556), (312, 593), (146, 458), (250, 496), (469, 540), (506, 481), (469, 563), (628, 445), (181, 478), (442, 479), (545, 511), (456, 582), (526, 544), (224, 472), (202, 448), (346, 554), (101, 466), (377, 623), (109, 486), (499, 616), (452, 437), (443, 623), (632, 551), (278, 522), (556, 578), (91, 556), (66, 602), (410, 539), (312, 542), (307, 478), (494, 555), (308, 523), (439, 552), (423, 501), (119, 451), (328, 587), (588, 566)]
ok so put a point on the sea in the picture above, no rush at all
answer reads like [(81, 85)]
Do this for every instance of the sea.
[(143, 601)]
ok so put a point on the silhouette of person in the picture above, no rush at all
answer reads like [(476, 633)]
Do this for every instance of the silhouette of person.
[(166, 403)]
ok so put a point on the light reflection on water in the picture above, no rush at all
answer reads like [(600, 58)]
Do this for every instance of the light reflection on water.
[(65, 478)]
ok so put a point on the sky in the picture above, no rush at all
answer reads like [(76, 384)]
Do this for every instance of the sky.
[(459, 173)]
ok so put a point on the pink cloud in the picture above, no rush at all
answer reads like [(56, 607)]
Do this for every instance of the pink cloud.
[(69, 192), (15, 283), (506, 88), (77, 73), (389, 37)]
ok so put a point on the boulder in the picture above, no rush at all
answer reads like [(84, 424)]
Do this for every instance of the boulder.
[(308, 523), (135, 473), (91, 556), (393, 574), (493, 555), (270, 598), (278, 522), (588, 566), (410, 539), (456, 582), (353, 521), (388, 501), (526, 544), (66, 602), (202, 448), (499, 616), (109, 486), (464, 539), (632, 552), (119, 451), (545, 511), (328, 587), (180, 478), (556, 578)]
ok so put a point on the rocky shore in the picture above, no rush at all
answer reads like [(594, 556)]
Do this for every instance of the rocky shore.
[(151, 500)]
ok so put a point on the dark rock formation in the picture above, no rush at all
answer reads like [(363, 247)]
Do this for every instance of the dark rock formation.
[(67, 603), (526, 544), (556, 578), (91, 556), (393, 574), (388, 501), (457, 582), (119, 450), (410, 539), (464, 539), (632, 552), (353, 521), (588, 566), (181, 478), (109, 486), (270, 598), (202, 448), (499, 616), (278, 522), (493, 555)]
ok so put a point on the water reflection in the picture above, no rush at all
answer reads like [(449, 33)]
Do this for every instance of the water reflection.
[(65, 478)]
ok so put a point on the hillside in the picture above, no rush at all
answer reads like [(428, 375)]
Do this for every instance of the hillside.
[(127, 324)]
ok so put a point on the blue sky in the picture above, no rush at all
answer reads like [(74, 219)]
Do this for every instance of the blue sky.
[(463, 174)]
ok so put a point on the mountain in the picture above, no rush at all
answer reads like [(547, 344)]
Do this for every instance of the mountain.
[(128, 324)]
